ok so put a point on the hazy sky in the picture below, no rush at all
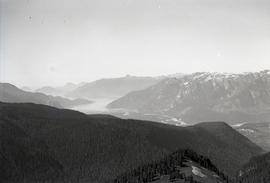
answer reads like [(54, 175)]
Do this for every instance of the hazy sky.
[(50, 42)]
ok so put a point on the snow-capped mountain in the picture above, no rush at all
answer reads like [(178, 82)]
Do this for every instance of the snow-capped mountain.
[(204, 96)]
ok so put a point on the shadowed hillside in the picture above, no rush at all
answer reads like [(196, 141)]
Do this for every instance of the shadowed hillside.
[(257, 170), (180, 167), (68, 145)]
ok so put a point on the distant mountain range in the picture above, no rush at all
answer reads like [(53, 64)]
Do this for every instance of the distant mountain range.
[(102, 88), (39, 143), (113, 87), (12, 94), (203, 96), (59, 91)]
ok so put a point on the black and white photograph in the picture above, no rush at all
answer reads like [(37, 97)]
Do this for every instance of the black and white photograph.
[(134, 91)]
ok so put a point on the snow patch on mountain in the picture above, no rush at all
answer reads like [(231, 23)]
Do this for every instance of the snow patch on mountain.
[(197, 171), (186, 83), (239, 124), (247, 130)]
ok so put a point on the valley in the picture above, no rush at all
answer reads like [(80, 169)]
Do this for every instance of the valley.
[(133, 136)]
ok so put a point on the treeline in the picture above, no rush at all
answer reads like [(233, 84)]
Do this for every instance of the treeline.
[(169, 165)]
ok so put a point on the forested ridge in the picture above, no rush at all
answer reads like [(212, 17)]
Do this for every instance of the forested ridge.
[(171, 166), (39, 143), (257, 170)]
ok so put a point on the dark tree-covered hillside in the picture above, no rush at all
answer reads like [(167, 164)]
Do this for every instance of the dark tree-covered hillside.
[(257, 170), (39, 142), (170, 165)]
